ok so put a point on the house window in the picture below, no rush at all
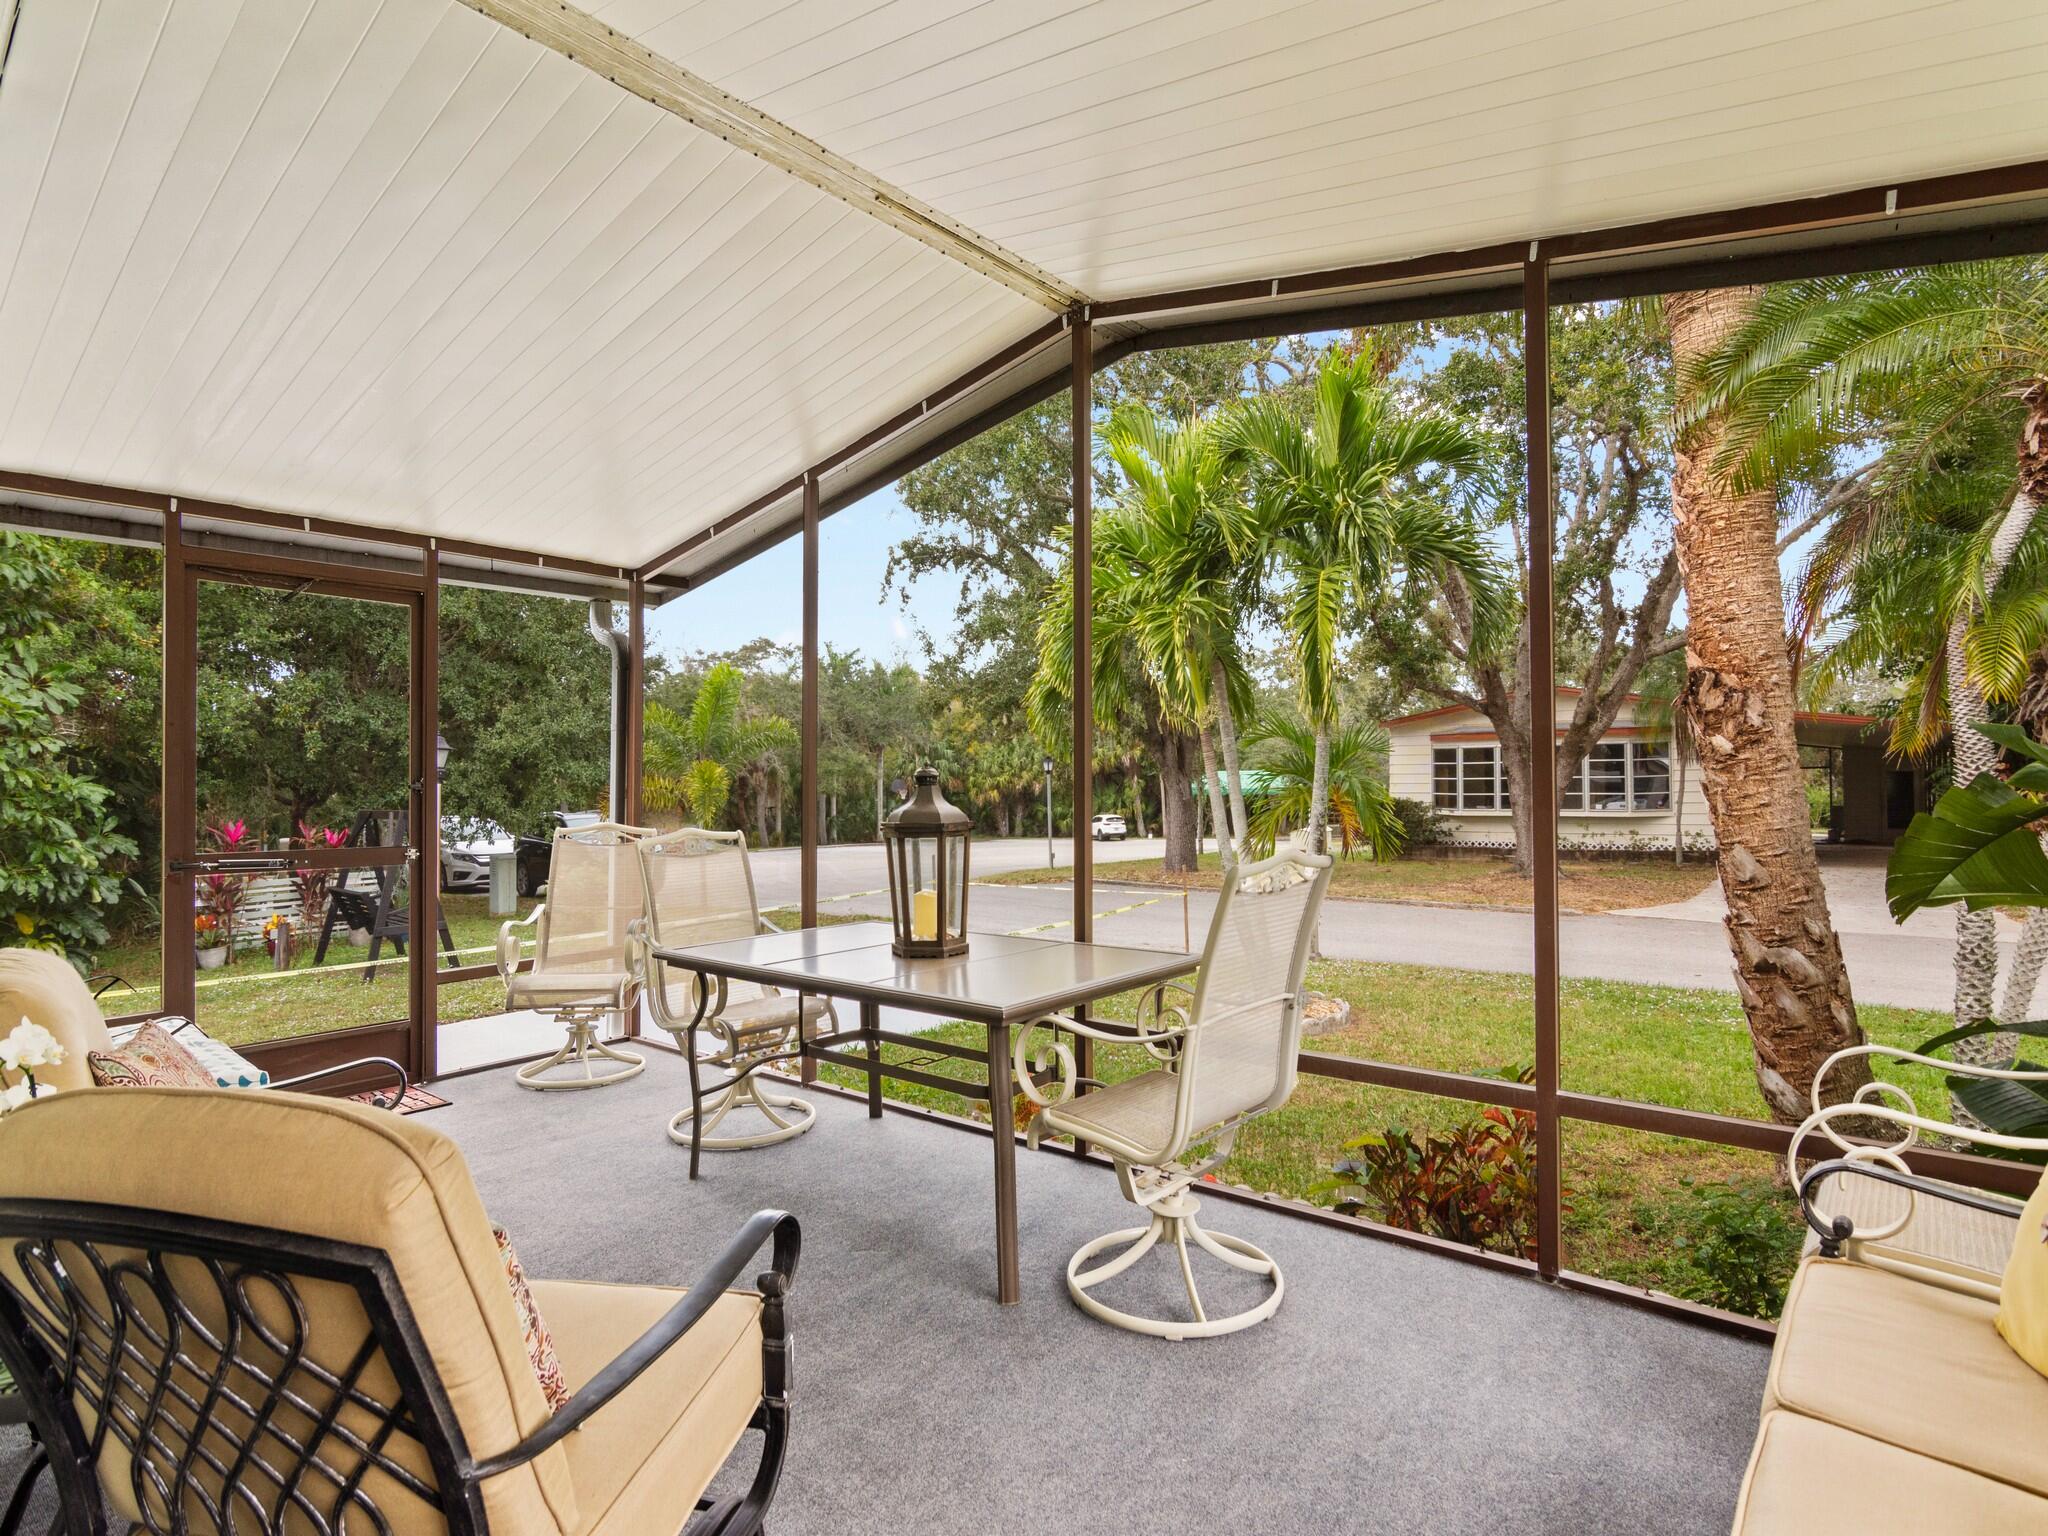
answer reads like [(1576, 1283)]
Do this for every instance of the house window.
[(1621, 776), (1469, 779)]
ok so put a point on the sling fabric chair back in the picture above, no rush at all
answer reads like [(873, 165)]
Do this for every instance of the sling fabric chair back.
[(698, 888), (1240, 1055), (593, 898)]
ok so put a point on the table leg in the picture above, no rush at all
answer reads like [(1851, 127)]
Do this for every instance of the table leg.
[(870, 1021), (1084, 1066), (1002, 1117)]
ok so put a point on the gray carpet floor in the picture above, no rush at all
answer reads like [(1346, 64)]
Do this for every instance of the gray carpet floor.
[(1395, 1391)]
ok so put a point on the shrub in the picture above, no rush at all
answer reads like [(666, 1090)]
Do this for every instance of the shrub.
[(1731, 1243), (1420, 822), (1475, 1184), (60, 855)]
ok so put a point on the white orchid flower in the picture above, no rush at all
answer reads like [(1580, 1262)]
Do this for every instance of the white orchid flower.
[(30, 1046), (13, 1096)]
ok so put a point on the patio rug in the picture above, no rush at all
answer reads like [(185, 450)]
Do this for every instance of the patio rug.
[(416, 1099)]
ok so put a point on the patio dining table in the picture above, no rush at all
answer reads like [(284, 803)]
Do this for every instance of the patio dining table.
[(1001, 983)]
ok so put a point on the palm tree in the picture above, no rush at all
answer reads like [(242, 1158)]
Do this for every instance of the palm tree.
[(690, 760), (1739, 695), (1926, 365), (1361, 805), (1343, 504), (1189, 575)]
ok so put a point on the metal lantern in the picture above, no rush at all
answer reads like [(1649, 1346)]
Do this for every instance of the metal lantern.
[(926, 841)]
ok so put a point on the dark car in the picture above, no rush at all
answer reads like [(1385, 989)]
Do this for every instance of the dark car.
[(530, 866)]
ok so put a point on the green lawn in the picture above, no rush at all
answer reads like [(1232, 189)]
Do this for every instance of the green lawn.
[(1668, 1045), (1584, 885), (248, 1001), (1665, 1045)]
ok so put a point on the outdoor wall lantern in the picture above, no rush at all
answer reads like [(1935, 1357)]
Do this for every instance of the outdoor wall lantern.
[(926, 843), (440, 757)]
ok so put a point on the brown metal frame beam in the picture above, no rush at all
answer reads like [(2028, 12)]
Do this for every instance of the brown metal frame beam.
[(807, 857), (179, 828), (423, 955), (1543, 762), (1081, 383)]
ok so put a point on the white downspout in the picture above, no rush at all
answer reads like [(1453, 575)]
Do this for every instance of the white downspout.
[(615, 645)]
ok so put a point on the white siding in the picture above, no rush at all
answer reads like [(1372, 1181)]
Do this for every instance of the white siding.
[(1410, 776)]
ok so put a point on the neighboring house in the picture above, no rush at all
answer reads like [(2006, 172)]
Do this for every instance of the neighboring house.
[(1629, 791)]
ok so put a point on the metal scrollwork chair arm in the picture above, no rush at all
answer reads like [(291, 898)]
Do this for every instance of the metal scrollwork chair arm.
[(723, 1272), (397, 1071), (509, 946), (1834, 1231)]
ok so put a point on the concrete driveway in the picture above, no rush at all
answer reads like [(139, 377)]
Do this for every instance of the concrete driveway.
[(1682, 944)]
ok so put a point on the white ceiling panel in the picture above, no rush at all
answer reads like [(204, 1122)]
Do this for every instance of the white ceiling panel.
[(392, 262), (1130, 145)]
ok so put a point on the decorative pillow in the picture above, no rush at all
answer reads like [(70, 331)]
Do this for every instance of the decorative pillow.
[(540, 1344), (151, 1058), (2023, 1296)]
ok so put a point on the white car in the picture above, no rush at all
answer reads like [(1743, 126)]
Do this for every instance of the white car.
[(1109, 828), (466, 848)]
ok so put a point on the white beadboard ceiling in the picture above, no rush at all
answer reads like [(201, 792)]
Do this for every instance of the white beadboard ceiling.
[(389, 261)]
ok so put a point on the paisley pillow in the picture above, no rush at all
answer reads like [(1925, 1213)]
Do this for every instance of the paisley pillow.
[(151, 1058), (540, 1344)]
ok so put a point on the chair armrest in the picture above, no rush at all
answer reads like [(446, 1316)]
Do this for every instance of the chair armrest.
[(651, 970), (636, 1357), (1878, 1102), (508, 941), (404, 1082), (1837, 1230)]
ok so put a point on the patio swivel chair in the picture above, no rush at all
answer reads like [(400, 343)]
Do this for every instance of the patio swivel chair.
[(699, 889), (291, 1318), (1225, 1054), (582, 973)]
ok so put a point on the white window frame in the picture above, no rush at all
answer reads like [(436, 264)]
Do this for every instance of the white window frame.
[(1459, 751), (1633, 780)]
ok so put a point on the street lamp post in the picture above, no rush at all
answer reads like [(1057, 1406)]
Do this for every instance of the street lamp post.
[(1046, 765)]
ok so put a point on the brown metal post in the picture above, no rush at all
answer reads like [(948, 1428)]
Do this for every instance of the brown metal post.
[(180, 768), (808, 728), (1083, 390), (1543, 757), (636, 696), (425, 956), (807, 856)]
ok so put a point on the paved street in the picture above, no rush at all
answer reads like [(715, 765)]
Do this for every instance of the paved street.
[(1678, 945)]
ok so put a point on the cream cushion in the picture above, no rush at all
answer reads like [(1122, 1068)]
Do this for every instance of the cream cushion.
[(2023, 1292), (43, 988), (1811, 1478), (1911, 1364), (333, 1169), (640, 1463)]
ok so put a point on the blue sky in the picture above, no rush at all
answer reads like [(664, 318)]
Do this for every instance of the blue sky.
[(764, 596)]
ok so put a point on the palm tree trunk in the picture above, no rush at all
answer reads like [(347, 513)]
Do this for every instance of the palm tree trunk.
[(1319, 793), (1226, 732), (1226, 850), (1135, 777), (1739, 704), (1176, 804)]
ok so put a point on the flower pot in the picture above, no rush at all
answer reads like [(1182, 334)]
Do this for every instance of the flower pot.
[(212, 959)]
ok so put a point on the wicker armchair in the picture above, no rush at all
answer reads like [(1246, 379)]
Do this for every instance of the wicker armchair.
[(582, 971), (1226, 1054), (698, 888)]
